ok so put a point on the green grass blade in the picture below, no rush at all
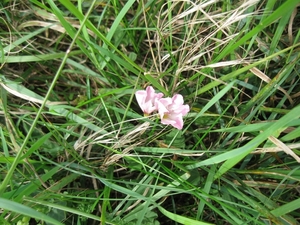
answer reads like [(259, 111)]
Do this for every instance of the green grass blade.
[(213, 101), (237, 72), (25, 210), (285, 9), (181, 219), (234, 156), (64, 208), (36, 145), (286, 208), (37, 58), (250, 146)]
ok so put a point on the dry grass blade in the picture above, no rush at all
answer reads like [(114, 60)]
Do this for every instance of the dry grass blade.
[(196, 44), (236, 64), (276, 149), (51, 25), (129, 138), (266, 79), (266, 184), (37, 99), (285, 148)]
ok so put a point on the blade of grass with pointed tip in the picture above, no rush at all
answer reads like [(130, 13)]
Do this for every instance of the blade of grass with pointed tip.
[(30, 188), (235, 73), (91, 26), (285, 9), (36, 145), (248, 148), (216, 98), (68, 27), (19, 41), (234, 156), (24, 93), (181, 219), (38, 58)]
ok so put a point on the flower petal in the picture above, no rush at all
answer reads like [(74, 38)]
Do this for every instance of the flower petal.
[(147, 99), (171, 111)]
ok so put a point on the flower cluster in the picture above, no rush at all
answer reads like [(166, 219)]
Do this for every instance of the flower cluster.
[(170, 110)]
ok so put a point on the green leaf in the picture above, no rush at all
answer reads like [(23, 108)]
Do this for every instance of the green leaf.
[(234, 156), (63, 208), (292, 135), (181, 219), (287, 208), (36, 145), (240, 153), (213, 101), (25, 210), (285, 9), (38, 58)]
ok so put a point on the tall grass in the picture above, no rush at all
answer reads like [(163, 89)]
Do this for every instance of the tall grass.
[(76, 148)]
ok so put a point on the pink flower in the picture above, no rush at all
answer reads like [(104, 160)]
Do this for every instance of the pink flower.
[(147, 100), (171, 110)]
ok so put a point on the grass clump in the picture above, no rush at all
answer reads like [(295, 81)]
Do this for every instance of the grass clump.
[(76, 148)]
